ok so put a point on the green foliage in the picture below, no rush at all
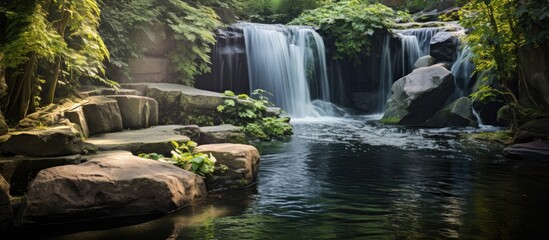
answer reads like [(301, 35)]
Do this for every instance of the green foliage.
[(499, 29), (46, 42), (153, 156), (349, 24), (268, 128), (278, 11), (242, 110), (533, 16), (184, 157)]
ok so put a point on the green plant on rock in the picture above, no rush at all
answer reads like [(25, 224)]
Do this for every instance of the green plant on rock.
[(184, 157), (251, 114)]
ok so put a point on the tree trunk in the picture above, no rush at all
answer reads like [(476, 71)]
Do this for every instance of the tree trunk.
[(20, 92), (52, 83)]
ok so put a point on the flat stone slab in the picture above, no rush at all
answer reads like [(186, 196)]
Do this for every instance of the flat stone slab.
[(112, 184), (150, 140), (222, 134), (538, 150), (49, 142), (170, 87)]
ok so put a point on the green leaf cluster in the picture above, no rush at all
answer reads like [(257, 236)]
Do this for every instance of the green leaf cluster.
[(348, 24), (45, 43), (251, 114), (184, 157)]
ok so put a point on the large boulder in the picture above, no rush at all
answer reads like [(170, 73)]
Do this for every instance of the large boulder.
[(222, 134), (417, 96), (115, 184), (444, 46), (536, 150), (6, 212), (425, 61), (137, 111), (533, 130), (456, 114), (50, 142), (19, 171), (102, 115), (242, 162), (149, 140)]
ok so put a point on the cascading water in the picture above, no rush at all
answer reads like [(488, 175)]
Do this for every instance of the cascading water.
[(386, 80), (415, 43), (290, 62), (462, 69)]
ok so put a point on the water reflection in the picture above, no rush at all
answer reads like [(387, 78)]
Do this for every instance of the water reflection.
[(350, 178)]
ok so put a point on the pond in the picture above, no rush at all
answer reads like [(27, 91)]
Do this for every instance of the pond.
[(351, 178)]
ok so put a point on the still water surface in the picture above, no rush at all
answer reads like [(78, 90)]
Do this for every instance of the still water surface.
[(349, 178)]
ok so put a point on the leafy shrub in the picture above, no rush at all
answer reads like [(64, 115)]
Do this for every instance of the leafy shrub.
[(184, 157), (348, 24), (250, 113)]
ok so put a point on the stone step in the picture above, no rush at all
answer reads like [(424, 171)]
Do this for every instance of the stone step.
[(222, 134), (136, 111), (179, 104), (149, 140)]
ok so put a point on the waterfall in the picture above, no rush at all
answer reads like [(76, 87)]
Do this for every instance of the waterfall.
[(386, 78), (462, 69), (415, 43), (290, 62)]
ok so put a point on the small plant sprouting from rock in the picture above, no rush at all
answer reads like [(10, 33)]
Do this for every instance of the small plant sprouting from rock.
[(184, 157), (251, 114)]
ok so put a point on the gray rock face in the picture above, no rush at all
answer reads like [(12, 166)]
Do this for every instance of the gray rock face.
[(109, 185), (417, 96), (102, 115), (242, 161), (444, 47), (137, 112), (425, 61), (537, 150), (19, 171), (457, 114), (150, 140), (6, 212), (179, 104), (77, 117), (533, 130), (51, 142), (222, 134)]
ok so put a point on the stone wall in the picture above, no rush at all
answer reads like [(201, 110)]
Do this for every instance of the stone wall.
[(157, 43)]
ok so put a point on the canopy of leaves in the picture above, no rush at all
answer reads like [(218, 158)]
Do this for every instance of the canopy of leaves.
[(48, 41), (348, 24)]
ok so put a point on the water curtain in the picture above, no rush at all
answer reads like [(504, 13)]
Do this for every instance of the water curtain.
[(290, 62)]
